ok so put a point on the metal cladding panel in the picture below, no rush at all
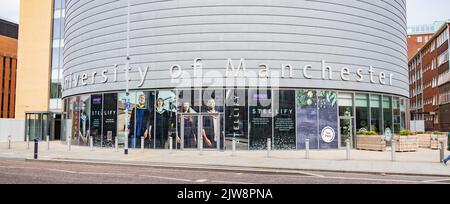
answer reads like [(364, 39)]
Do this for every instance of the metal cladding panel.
[(344, 33)]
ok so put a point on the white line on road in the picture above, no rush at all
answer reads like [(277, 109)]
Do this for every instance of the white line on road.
[(201, 180), (436, 180), (166, 178), (230, 182)]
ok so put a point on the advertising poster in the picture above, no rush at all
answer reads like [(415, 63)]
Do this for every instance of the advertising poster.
[(236, 115), (260, 118), (328, 120), (84, 118), (96, 119), (284, 120), (163, 120), (121, 120), (109, 132), (75, 120), (307, 119)]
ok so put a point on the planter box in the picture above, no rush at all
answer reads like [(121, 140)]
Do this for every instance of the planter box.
[(435, 141), (406, 143), (424, 140), (371, 142)]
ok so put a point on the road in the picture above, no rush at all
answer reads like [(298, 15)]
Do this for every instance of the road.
[(40, 172)]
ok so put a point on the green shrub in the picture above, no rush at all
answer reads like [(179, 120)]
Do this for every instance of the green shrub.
[(364, 132), (405, 132), (420, 132)]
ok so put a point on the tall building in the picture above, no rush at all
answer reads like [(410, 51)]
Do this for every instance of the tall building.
[(39, 73), (215, 70), (429, 82), (8, 67)]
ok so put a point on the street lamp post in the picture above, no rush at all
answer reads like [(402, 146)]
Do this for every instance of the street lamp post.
[(127, 66)]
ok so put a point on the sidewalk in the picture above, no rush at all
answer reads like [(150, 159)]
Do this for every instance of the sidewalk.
[(423, 162)]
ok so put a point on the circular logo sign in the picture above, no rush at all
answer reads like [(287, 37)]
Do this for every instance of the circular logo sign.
[(328, 134), (388, 134)]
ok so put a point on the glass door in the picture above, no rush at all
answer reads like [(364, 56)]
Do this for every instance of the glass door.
[(211, 131), (205, 127), (346, 129)]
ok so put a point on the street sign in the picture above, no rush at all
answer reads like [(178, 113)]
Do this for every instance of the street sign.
[(388, 134), (127, 105)]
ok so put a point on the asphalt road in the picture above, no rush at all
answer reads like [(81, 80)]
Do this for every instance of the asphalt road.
[(32, 172)]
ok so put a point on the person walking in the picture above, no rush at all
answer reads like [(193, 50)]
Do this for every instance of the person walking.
[(446, 160)]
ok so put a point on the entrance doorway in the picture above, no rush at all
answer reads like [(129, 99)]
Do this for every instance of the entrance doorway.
[(346, 130), (39, 125), (207, 128)]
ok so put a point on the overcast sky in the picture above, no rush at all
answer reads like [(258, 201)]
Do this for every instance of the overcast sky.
[(419, 11)]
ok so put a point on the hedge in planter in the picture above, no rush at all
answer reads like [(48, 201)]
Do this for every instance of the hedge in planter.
[(406, 142), (370, 140)]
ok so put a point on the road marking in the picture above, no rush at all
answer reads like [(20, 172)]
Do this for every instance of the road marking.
[(230, 182), (436, 180), (105, 174), (201, 180), (166, 178), (63, 171)]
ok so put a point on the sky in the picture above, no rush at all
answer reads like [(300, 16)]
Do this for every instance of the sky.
[(419, 11)]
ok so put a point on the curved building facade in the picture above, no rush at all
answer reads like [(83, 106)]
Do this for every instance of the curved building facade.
[(212, 71)]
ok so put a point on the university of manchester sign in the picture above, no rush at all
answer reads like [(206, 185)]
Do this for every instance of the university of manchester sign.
[(234, 69)]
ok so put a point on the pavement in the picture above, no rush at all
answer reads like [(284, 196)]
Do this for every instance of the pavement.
[(421, 163)]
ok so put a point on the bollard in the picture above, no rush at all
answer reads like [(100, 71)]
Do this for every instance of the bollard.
[(36, 146), (347, 143), (142, 144), (307, 148), (28, 142), (441, 150), (170, 145), (201, 145), (393, 148), (9, 142), (116, 144), (91, 143), (269, 147), (69, 143), (48, 143), (233, 147)]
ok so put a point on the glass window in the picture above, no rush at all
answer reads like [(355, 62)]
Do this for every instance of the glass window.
[(362, 112), (375, 112), (396, 114), (260, 105), (307, 121), (387, 113), (346, 121), (284, 119)]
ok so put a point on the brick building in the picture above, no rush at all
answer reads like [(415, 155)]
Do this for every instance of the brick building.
[(429, 82), (8, 67)]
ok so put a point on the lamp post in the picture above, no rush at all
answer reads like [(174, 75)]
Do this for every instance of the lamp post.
[(127, 67)]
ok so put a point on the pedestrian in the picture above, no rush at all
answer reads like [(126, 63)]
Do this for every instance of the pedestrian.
[(446, 160)]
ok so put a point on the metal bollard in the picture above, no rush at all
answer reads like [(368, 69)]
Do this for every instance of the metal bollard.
[(201, 145), (393, 148), (307, 149), (36, 147), (233, 147), (142, 144), (116, 144), (269, 147), (91, 143), (69, 143), (170, 145), (441, 151), (9, 142), (48, 143), (347, 143), (28, 142)]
